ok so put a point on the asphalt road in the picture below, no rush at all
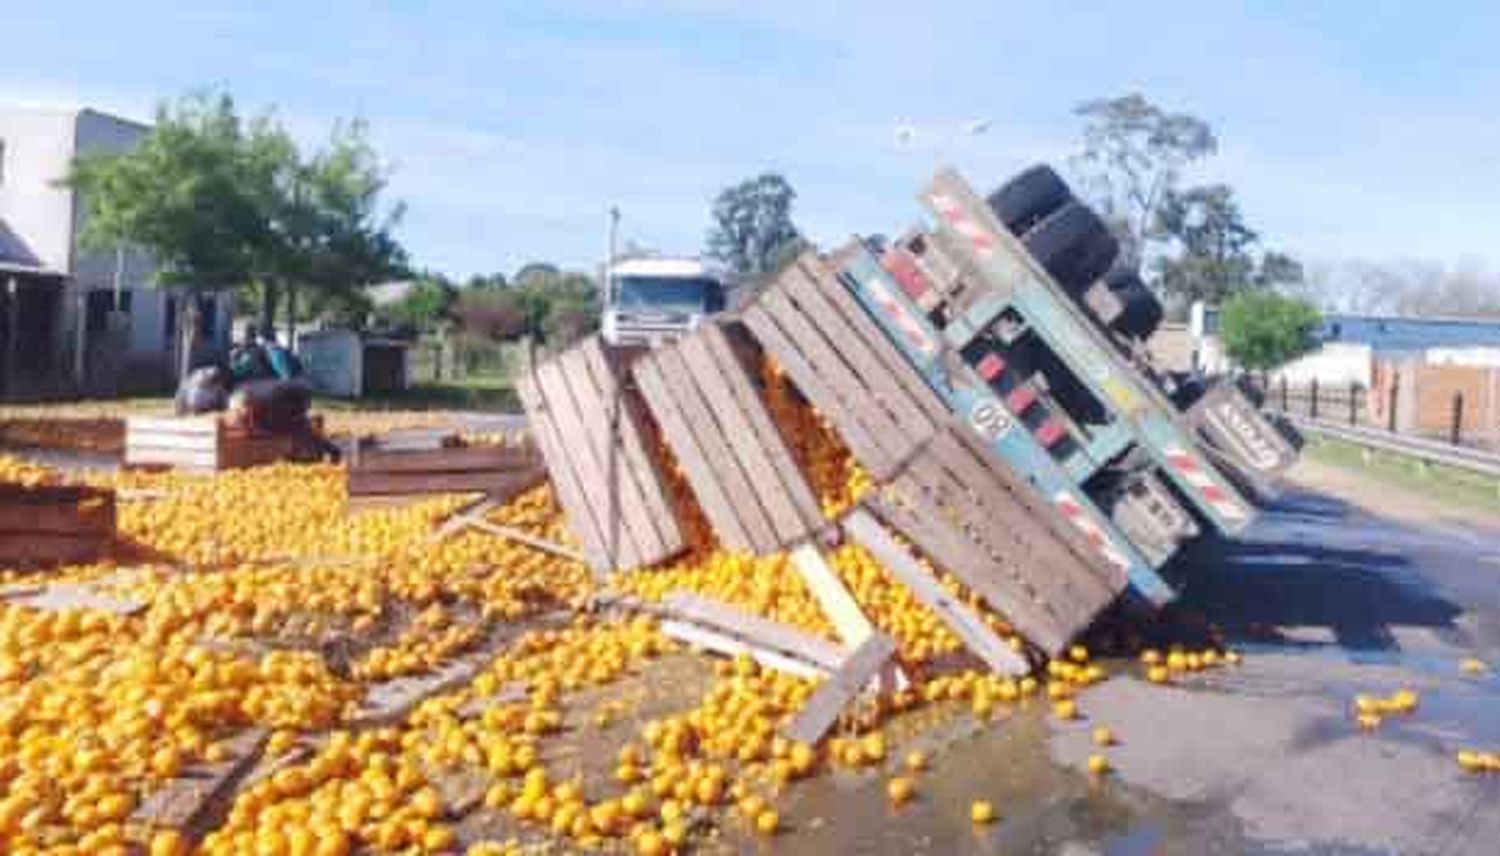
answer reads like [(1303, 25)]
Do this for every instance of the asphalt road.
[(1326, 600)]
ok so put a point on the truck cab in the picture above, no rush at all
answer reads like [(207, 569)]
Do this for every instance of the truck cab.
[(654, 300)]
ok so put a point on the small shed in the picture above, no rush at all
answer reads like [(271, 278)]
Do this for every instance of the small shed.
[(349, 364)]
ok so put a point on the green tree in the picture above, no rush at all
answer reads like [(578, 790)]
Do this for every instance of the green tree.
[(1211, 252), (1132, 159), (425, 307), (227, 203), (753, 233), (1262, 329)]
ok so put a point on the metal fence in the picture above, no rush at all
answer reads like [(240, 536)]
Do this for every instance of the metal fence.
[(1351, 405)]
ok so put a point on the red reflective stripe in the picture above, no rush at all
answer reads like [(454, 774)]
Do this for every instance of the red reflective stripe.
[(992, 366)]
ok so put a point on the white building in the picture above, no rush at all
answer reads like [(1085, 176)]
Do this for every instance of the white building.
[(59, 328)]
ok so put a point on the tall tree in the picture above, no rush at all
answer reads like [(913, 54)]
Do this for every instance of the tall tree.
[(753, 232), (1132, 158), (1211, 253)]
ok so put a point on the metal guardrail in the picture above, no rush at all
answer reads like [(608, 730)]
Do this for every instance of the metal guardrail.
[(1459, 457)]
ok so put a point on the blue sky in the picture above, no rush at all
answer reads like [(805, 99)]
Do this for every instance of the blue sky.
[(1350, 129)]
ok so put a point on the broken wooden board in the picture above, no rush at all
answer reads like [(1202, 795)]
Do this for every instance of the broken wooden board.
[(974, 518), (712, 639), (475, 517), (509, 694), (497, 471), (183, 802), (713, 417), (55, 524), (839, 606), (588, 426), (62, 596), (830, 699), (758, 631), (965, 624)]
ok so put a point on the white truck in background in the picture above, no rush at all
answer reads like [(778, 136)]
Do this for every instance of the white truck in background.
[(651, 300)]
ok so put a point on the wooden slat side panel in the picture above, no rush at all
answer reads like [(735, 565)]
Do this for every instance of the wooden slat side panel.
[(812, 384), (721, 462), (622, 409), (1077, 581), (619, 548), (979, 523), (1042, 515), (871, 333), (796, 485), (907, 509), (830, 699), (714, 381), (580, 514), (812, 298), (841, 380), (690, 456), (618, 475), (963, 621)]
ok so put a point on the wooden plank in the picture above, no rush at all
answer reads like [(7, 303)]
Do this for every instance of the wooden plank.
[(619, 549), (754, 628), (448, 460), (730, 646), (627, 487), (721, 462), (797, 487), (882, 429), (511, 533), (50, 548), (838, 605), (811, 382), (633, 437), (714, 381), (63, 596), (580, 515), (964, 623), (691, 457), (496, 482), (183, 802), (885, 391), (830, 699)]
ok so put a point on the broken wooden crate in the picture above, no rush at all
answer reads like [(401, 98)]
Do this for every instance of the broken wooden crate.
[(51, 524), (206, 443), (586, 420)]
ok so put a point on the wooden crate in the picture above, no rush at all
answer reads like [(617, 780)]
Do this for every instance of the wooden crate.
[(499, 472), (205, 444), (589, 427), (714, 419), (55, 524)]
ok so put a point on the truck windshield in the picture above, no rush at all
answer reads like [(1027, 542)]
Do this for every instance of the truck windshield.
[(650, 292)]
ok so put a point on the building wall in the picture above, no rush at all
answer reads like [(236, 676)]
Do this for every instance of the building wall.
[(38, 150), (96, 132)]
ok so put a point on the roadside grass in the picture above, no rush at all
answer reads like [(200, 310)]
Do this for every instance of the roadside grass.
[(1436, 482)]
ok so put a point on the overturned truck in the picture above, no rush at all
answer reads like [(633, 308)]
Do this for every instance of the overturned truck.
[(988, 372)]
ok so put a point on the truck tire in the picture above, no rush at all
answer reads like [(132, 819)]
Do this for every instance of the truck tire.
[(1074, 245), (1028, 198), (1141, 311)]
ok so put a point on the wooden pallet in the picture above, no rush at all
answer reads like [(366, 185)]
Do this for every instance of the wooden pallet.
[(497, 471), (205, 443), (50, 524), (589, 427), (738, 465)]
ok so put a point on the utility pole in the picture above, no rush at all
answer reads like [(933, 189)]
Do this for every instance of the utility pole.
[(609, 260)]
